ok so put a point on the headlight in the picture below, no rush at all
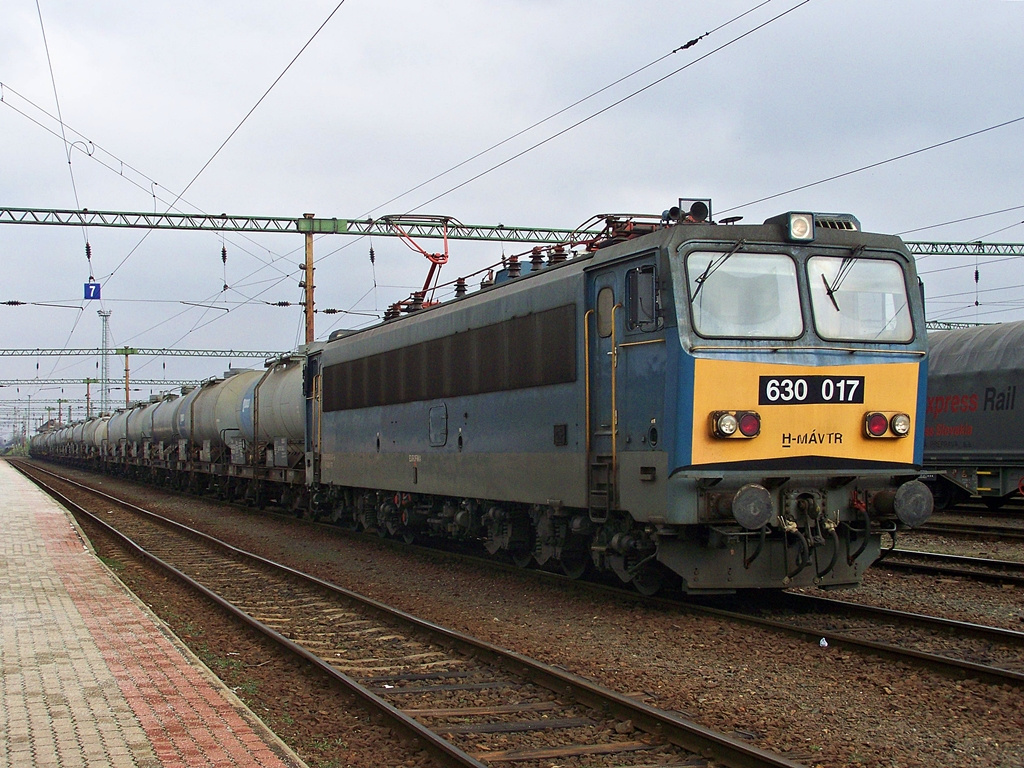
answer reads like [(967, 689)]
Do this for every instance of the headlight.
[(900, 424), (725, 425), (801, 227)]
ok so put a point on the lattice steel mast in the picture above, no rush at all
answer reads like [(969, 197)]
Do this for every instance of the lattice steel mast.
[(105, 361)]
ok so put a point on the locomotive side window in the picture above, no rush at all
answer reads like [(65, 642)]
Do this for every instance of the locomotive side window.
[(605, 308), (642, 299), (533, 350), (858, 299), (743, 295)]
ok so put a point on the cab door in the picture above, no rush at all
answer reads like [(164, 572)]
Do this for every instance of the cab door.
[(601, 408)]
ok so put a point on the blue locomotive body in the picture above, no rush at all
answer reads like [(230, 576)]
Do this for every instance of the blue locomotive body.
[(563, 416)]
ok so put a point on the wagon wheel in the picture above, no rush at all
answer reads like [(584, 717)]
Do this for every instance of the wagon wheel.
[(945, 497)]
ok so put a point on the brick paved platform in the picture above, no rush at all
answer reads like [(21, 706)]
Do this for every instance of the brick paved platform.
[(89, 678)]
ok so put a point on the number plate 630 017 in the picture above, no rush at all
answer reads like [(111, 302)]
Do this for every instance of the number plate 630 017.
[(810, 390)]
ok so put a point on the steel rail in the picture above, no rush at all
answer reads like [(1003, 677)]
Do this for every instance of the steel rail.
[(975, 531), (675, 729), (441, 748), (953, 565), (980, 630), (944, 664)]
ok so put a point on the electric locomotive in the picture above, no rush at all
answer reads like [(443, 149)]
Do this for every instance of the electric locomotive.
[(723, 406)]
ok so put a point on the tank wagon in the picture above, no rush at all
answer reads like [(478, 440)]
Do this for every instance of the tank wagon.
[(973, 430), (718, 407)]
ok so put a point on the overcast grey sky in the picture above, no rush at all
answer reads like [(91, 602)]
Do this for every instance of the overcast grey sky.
[(391, 93)]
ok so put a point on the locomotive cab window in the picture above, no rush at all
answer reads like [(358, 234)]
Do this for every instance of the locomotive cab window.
[(605, 312), (744, 295), (642, 299), (859, 299)]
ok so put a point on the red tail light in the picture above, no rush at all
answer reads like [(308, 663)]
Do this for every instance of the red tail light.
[(876, 424), (750, 423)]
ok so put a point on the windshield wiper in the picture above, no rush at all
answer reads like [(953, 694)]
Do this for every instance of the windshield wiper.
[(712, 268), (845, 267), (831, 293)]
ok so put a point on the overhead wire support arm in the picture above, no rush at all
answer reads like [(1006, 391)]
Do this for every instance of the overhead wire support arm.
[(444, 227), (437, 227), (70, 382), (143, 352), (142, 220), (975, 248)]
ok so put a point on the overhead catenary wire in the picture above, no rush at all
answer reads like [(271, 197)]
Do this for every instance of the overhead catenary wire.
[(607, 108), (553, 115), (965, 218), (683, 47), (583, 120), (93, 150), (863, 168), (236, 129), (67, 151)]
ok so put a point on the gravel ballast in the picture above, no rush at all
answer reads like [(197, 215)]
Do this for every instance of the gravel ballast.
[(822, 706)]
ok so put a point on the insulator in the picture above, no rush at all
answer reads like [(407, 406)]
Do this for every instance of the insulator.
[(88, 251), (14, 303), (371, 255), (224, 254)]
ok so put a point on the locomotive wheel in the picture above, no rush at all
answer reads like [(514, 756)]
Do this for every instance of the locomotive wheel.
[(648, 580), (575, 564), (521, 556), (349, 520)]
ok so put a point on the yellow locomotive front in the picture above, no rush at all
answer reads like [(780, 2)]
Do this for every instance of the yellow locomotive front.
[(800, 388)]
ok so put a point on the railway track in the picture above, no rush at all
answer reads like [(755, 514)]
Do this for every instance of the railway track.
[(415, 673), (950, 647), (976, 568), (960, 648), (975, 530)]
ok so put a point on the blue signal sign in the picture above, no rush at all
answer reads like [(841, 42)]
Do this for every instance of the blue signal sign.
[(92, 291)]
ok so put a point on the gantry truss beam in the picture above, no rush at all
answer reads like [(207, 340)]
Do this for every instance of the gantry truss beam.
[(944, 325), (966, 249), (384, 226), (145, 352), (389, 226), (110, 382)]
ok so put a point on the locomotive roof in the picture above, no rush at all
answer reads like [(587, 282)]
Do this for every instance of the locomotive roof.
[(982, 348)]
